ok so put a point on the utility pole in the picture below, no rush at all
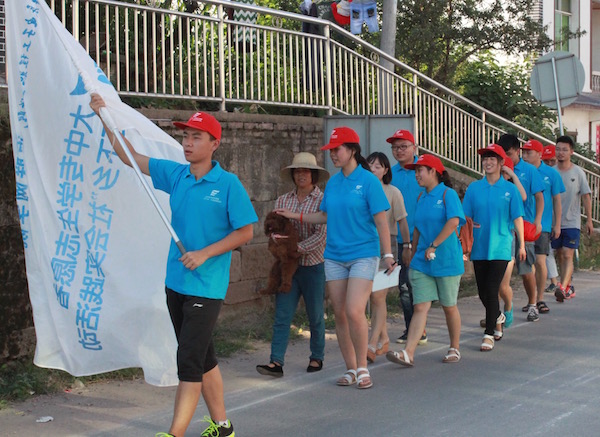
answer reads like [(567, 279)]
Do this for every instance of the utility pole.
[(387, 45)]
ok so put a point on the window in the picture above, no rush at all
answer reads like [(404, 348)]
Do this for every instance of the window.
[(562, 24)]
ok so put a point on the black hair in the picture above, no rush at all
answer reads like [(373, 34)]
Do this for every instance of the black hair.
[(314, 175), (355, 147), (444, 178), (508, 142), (491, 155), (383, 160), (566, 139)]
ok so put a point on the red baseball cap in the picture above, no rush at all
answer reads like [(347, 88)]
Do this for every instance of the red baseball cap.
[(496, 149), (509, 163), (339, 136), (428, 161), (549, 152), (401, 134), (202, 121), (533, 145)]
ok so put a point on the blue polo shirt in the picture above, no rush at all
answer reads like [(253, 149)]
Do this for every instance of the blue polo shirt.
[(532, 183), (553, 185), (203, 212), (406, 182), (432, 211), (493, 209), (350, 203)]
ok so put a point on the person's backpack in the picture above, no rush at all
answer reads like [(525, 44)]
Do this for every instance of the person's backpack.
[(465, 236)]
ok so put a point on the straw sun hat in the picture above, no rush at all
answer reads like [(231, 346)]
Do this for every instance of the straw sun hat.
[(304, 160)]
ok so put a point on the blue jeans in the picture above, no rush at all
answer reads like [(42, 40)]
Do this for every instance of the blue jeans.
[(406, 296), (308, 282)]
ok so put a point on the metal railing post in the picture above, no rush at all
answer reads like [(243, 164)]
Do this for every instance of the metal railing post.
[(483, 136), (416, 132), (328, 68), (221, 31), (76, 19)]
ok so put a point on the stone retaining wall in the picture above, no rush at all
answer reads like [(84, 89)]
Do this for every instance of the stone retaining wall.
[(254, 147)]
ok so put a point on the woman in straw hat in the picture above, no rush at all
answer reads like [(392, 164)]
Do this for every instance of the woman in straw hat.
[(309, 279), (353, 207)]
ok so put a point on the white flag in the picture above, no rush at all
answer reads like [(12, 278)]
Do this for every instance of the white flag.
[(95, 247)]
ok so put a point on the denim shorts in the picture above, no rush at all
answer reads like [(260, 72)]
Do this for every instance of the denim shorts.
[(364, 268)]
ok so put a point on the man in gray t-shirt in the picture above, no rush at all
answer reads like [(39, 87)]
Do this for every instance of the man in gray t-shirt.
[(577, 191)]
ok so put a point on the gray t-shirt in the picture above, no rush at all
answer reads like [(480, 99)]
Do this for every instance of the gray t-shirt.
[(576, 185)]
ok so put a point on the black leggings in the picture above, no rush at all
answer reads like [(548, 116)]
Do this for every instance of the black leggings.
[(488, 275)]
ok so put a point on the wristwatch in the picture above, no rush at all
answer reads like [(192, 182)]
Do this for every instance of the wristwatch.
[(407, 245), (388, 255)]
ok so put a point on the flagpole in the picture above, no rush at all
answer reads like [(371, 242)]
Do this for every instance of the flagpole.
[(110, 123)]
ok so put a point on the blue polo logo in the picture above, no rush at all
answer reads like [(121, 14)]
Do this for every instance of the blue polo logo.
[(358, 190), (212, 197)]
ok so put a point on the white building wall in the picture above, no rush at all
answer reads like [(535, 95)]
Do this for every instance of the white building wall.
[(581, 18), (581, 121)]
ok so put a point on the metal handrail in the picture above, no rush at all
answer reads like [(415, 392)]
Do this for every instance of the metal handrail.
[(151, 52)]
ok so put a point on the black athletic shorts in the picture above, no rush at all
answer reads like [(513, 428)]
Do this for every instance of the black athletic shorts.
[(194, 319)]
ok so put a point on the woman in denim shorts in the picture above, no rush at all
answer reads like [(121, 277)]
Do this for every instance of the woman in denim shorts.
[(353, 207)]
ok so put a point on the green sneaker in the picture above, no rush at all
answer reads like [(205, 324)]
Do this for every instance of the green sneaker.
[(216, 430), (163, 434)]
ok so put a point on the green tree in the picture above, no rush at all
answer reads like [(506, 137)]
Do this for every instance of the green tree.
[(438, 36), (505, 90)]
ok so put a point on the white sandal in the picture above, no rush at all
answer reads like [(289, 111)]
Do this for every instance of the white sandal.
[(453, 356), (347, 379), (499, 321), (401, 358), (363, 379), (486, 347)]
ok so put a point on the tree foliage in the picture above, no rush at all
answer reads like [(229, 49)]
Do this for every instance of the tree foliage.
[(505, 90), (438, 36)]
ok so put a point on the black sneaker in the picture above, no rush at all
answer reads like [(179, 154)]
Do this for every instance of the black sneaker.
[(402, 338), (216, 430), (265, 369), (550, 288)]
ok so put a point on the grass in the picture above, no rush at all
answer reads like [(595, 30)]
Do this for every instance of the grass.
[(21, 379), (235, 333)]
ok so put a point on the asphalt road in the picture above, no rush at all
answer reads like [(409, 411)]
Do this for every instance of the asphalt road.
[(543, 378)]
